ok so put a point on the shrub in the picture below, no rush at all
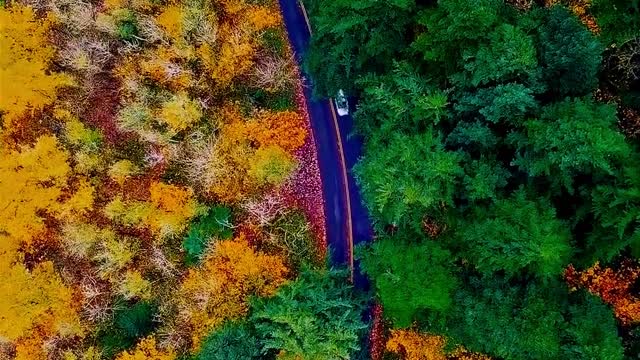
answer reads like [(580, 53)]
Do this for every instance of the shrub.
[(289, 234), (130, 323), (271, 165), (216, 225)]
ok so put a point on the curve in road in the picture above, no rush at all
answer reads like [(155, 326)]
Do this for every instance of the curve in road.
[(347, 221)]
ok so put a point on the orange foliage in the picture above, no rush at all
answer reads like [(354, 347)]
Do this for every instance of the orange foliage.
[(411, 345), (26, 84), (415, 346), (580, 9), (221, 288), (612, 286), (284, 129)]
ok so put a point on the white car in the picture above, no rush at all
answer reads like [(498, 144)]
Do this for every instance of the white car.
[(342, 105)]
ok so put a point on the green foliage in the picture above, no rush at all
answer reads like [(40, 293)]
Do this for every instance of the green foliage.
[(516, 235), (473, 137), (507, 321), (289, 234), (410, 278), (408, 175), (358, 36), (509, 54), (591, 332), (503, 103), (616, 206), (215, 225), (274, 40), (316, 316), (569, 53), (455, 25), (126, 24), (619, 20), (234, 341), (403, 101), (130, 323), (484, 179), (571, 137)]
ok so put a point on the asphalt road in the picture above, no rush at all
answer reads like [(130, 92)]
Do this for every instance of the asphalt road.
[(347, 221)]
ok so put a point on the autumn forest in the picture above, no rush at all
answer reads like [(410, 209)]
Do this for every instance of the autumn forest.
[(161, 194)]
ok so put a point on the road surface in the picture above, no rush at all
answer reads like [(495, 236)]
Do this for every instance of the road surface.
[(347, 221)]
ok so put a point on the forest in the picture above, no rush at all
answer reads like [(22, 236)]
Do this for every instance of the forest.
[(159, 187), (161, 198), (501, 170)]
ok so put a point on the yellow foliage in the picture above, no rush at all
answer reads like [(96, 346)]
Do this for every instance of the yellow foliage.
[(88, 162), (167, 213), (180, 112), (25, 80), (114, 255), (170, 20), (31, 180), (221, 288), (147, 350), (162, 65), (135, 286), (411, 345), (81, 239), (234, 58), (35, 301), (76, 133), (262, 18), (271, 165), (122, 170), (79, 203)]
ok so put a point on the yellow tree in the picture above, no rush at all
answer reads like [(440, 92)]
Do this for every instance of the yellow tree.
[(221, 288), (31, 181), (35, 304), (147, 350), (26, 82), (412, 345)]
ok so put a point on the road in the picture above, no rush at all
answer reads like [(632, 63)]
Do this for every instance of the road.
[(347, 221)]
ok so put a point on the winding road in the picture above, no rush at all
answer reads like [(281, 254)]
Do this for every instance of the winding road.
[(347, 221)]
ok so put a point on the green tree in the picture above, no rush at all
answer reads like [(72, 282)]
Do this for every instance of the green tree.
[(517, 235), (408, 175), (215, 225), (591, 331), (351, 38), (569, 53), (316, 316), (410, 278), (455, 25), (508, 321), (508, 103), (233, 341), (509, 54), (619, 20), (402, 101), (571, 137), (616, 207)]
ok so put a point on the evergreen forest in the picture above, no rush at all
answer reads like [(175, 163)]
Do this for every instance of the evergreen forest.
[(501, 171)]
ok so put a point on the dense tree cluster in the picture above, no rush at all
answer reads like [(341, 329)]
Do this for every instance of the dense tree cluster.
[(500, 147)]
